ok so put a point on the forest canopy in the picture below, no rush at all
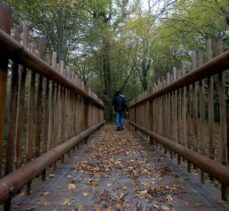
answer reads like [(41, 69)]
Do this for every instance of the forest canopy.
[(123, 44)]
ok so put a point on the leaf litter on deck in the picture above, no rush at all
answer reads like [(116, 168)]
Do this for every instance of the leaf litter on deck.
[(115, 171), (132, 181)]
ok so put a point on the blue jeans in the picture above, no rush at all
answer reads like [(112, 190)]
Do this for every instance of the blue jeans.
[(119, 119)]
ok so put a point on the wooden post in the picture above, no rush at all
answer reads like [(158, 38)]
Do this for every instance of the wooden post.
[(179, 112), (12, 112), (21, 105), (5, 25), (168, 109), (184, 110), (202, 118), (171, 114), (155, 102), (51, 106), (151, 118), (40, 105), (210, 106), (223, 114), (223, 123), (174, 122), (195, 142), (31, 117), (188, 123), (46, 119)]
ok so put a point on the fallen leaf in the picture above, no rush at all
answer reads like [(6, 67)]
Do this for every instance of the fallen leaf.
[(143, 192), (85, 194), (45, 193), (119, 206), (146, 184), (80, 207), (169, 198), (165, 208), (40, 197), (109, 209), (22, 194), (66, 202), (198, 204), (145, 171), (92, 182), (71, 186), (109, 184), (98, 207), (187, 203), (124, 187), (45, 203)]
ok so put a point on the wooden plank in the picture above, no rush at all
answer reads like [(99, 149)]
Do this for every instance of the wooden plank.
[(21, 106), (223, 114), (184, 111), (195, 141), (223, 123), (210, 107), (20, 119), (39, 117), (86, 114), (63, 127), (179, 112), (189, 123), (51, 117), (155, 108), (45, 130), (10, 153), (56, 115), (175, 108), (164, 112), (202, 118), (51, 106), (171, 114), (151, 119), (29, 153), (168, 109)]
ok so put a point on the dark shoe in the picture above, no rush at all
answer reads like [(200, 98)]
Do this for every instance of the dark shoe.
[(121, 128), (118, 129)]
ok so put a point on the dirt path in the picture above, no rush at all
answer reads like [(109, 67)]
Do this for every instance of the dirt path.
[(119, 171)]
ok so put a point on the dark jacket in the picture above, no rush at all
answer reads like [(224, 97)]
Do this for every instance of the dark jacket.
[(119, 103)]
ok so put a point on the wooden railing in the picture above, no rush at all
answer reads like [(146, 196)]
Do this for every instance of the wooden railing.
[(42, 107), (187, 113)]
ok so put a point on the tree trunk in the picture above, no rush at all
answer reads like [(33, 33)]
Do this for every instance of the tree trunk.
[(108, 95), (145, 71)]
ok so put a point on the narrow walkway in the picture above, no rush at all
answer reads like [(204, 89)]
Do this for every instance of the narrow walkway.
[(119, 171)]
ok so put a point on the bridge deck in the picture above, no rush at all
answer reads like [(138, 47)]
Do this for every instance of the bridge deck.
[(119, 170)]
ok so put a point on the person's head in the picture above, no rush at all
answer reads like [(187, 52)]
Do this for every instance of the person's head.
[(118, 92)]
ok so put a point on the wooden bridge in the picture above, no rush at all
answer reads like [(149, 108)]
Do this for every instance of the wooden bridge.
[(46, 112)]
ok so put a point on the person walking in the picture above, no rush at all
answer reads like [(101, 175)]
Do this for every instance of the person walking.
[(120, 108)]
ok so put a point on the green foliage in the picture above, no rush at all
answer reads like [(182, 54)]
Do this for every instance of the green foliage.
[(136, 45)]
